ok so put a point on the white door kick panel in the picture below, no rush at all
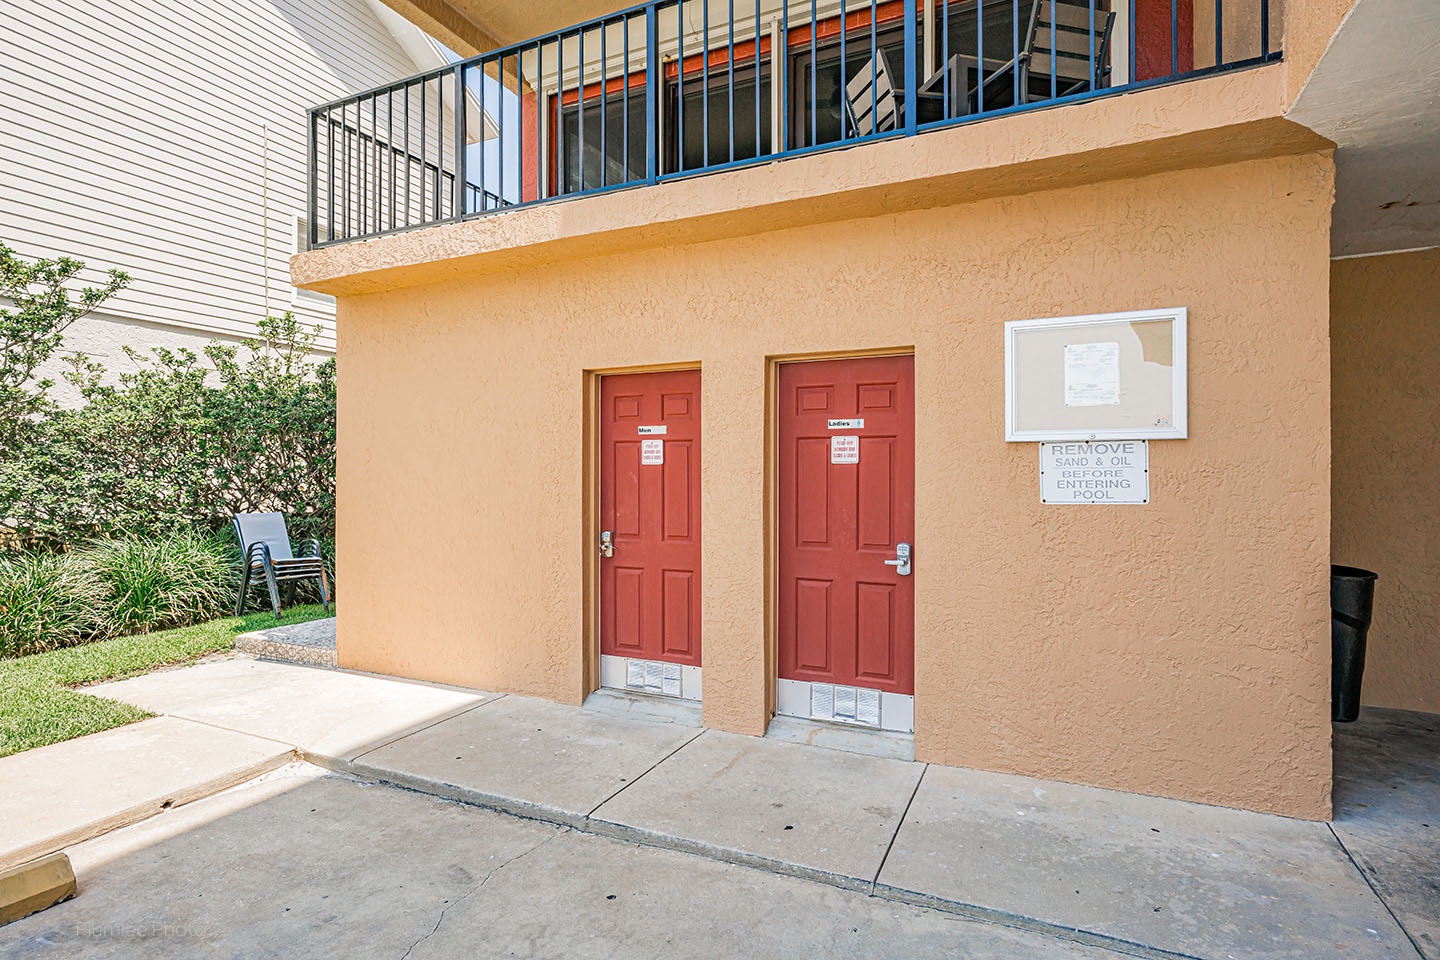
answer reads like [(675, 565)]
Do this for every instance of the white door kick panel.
[(650, 676), (837, 703)]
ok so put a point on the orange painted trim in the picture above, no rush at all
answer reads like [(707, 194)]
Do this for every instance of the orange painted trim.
[(592, 90), (797, 38), (695, 62), (824, 29), (530, 140)]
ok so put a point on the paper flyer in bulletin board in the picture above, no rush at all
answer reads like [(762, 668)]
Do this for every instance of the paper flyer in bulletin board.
[(1106, 376)]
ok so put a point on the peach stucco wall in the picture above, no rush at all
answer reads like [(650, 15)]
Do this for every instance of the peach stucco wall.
[(1384, 316), (1177, 649)]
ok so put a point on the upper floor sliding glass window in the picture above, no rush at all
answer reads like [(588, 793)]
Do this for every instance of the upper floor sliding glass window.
[(612, 148), (726, 120)]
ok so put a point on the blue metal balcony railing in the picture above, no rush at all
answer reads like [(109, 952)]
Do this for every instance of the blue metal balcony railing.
[(674, 88)]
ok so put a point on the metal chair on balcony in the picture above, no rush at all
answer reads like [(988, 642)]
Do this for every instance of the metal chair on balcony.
[(1055, 60), (265, 552), (872, 101)]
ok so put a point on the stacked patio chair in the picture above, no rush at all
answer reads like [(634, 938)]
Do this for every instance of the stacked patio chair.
[(872, 102), (265, 553), (1060, 40)]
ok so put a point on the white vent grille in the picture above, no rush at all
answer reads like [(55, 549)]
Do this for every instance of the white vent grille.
[(650, 676), (839, 703)]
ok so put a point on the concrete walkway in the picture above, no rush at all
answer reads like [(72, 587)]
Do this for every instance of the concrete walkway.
[(1101, 870)]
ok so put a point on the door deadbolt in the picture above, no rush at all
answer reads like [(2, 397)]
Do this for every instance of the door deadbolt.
[(901, 563)]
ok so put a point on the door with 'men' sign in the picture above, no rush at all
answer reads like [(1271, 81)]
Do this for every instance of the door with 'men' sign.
[(649, 538)]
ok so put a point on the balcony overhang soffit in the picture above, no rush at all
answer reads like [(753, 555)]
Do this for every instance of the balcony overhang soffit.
[(1374, 93), (471, 27)]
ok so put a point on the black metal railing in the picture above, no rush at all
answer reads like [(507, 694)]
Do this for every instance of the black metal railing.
[(673, 88)]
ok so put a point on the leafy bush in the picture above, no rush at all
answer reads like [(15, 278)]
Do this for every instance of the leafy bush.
[(154, 584), (39, 307), (270, 429), (48, 600), (175, 443)]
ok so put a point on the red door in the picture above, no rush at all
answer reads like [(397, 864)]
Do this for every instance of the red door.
[(847, 499), (650, 505)]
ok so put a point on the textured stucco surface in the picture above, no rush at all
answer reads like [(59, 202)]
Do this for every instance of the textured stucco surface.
[(1220, 119), (1384, 317), (1308, 27), (1177, 649)]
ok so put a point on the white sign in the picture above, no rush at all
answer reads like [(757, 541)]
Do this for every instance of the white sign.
[(1108, 471), (652, 453), (1092, 374), (651, 431), (844, 449), (845, 424)]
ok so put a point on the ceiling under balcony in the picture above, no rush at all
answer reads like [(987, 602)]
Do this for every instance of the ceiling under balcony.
[(471, 27), (1376, 94)]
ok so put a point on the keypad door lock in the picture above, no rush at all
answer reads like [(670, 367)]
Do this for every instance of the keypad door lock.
[(901, 563), (607, 544)]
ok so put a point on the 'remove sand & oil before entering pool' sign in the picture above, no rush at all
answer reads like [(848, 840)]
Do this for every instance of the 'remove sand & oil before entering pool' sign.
[(1105, 471)]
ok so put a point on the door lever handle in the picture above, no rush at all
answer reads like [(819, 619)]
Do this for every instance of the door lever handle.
[(607, 544), (901, 563)]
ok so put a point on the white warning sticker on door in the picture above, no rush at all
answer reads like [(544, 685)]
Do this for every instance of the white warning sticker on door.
[(652, 452), (844, 449)]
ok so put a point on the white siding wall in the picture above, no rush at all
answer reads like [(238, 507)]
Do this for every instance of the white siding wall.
[(104, 337), (169, 140)]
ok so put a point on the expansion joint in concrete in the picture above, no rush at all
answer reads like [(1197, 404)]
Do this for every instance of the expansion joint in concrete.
[(1373, 889), (898, 824), (698, 735), (410, 731)]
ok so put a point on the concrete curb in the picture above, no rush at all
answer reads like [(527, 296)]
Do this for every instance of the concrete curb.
[(143, 810), (585, 823), (1017, 921), (35, 886), (523, 809), (262, 646)]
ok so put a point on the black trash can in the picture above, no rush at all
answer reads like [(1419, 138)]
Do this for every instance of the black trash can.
[(1352, 601)]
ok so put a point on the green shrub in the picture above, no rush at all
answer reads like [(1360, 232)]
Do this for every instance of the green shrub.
[(40, 302), (157, 583), (177, 441), (48, 600)]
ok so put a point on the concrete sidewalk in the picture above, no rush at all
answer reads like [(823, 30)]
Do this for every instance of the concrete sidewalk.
[(1135, 875), (59, 795)]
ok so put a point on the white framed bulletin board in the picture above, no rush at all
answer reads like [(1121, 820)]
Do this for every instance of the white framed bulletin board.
[(1111, 376)]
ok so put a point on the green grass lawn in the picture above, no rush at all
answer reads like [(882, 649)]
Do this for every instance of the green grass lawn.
[(36, 708)]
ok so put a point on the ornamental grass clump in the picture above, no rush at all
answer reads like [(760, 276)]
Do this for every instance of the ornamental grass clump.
[(157, 583), (48, 600)]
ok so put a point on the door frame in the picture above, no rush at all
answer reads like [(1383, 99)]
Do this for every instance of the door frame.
[(590, 509), (772, 496)]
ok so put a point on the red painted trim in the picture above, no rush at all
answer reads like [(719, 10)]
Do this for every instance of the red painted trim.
[(1152, 37)]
